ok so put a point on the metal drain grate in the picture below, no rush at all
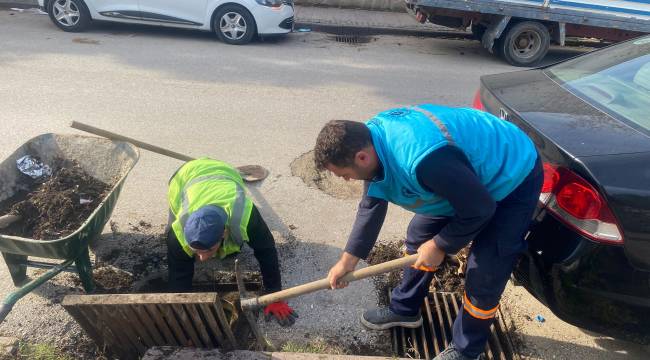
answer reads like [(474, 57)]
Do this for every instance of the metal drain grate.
[(352, 39), (439, 311)]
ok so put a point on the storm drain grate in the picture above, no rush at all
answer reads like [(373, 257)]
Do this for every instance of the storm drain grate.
[(439, 311), (351, 39), (126, 325)]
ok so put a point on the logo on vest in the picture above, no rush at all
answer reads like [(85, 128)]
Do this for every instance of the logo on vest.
[(398, 112)]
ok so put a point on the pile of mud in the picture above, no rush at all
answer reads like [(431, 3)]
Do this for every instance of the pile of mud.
[(110, 280), (381, 253), (56, 207), (304, 168), (450, 277)]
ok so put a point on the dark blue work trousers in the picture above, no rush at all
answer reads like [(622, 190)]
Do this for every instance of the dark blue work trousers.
[(492, 257)]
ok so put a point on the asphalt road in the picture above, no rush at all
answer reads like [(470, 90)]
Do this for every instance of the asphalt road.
[(258, 104)]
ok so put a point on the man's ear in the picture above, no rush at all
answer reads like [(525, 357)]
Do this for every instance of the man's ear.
[(362, 158)]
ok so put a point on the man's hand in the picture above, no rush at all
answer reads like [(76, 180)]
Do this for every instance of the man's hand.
[(346, 264), (429, 255), (282, 312)]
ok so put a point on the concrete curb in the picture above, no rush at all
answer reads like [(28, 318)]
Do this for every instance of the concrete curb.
[(174, 353), (361, 30), (376, 5)]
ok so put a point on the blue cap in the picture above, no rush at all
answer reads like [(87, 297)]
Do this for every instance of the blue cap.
[(204, 227)]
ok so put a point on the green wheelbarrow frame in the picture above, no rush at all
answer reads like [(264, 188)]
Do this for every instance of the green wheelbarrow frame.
[(109, 161)]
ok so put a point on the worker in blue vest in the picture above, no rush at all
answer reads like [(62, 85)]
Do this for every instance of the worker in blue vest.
[(468, 176), (211, 216)]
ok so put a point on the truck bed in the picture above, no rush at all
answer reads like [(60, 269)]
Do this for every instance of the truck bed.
[(613, 14)]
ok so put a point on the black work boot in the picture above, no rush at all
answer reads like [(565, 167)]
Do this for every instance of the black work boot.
[(451, 353), (382, 318)]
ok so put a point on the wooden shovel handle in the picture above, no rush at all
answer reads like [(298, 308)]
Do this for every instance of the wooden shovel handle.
[(143, 145), (249, 173), (325, 284)]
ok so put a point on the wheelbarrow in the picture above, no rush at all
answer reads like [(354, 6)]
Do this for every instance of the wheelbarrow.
[(105, 160)]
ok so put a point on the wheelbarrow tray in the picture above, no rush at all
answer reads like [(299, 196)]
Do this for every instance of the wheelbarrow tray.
[(106, 160)]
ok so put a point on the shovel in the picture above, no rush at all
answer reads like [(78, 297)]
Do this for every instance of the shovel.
[(249, 173), (249, 304), (308, 288)]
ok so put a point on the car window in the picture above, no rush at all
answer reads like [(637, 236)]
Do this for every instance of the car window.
[(616, 80)]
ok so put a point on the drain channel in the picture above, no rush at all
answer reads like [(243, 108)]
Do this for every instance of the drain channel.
[(439, 311)]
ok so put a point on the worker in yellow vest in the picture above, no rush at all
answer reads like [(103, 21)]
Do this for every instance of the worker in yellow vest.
[(211, 216)]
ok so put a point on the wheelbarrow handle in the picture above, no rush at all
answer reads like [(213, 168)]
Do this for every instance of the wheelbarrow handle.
[(5, 309), (143, 145), (7, 220), (325, 284)]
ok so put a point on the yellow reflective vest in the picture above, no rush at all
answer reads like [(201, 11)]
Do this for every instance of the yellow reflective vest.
[(203, 182)]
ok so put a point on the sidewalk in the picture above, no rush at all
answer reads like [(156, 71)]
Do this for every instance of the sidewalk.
[(367, 21)]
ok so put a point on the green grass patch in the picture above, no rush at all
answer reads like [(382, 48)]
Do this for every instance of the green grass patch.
[(313, 347), (40, 352)]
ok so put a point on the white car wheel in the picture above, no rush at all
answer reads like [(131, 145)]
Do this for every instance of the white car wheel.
[(234, 24)]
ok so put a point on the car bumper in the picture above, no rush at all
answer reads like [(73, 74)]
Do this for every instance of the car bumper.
[(585, 283), (273, 20)]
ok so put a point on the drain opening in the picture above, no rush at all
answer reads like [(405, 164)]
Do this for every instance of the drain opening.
[(439, 311), (352, 39)]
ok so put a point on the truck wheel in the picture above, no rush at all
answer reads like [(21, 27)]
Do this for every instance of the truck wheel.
[(524, 43)]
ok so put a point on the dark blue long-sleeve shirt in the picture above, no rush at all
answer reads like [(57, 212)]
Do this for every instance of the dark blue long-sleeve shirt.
[(448, 173)]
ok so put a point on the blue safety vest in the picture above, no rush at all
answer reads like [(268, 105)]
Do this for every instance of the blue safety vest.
[(501, 154)]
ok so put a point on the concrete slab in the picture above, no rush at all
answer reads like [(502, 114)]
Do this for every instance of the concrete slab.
[(308, 356), (171, 353)]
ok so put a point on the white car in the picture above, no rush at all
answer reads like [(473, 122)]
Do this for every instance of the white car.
[(234, 21)]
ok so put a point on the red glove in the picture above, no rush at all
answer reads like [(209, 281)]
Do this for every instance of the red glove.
[(282, 312)]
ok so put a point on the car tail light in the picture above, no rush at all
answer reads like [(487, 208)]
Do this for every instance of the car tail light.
[(477, 103), (577, 203)]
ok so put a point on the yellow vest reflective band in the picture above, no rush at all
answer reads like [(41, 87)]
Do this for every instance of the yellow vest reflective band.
[(204, 182)]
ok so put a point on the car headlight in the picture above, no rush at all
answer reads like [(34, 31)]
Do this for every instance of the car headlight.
[(270, 3)]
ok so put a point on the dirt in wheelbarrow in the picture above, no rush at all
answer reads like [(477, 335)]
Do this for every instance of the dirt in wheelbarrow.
[(56, 207)]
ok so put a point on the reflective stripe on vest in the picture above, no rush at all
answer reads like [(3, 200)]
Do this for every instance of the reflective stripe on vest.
[(439, 124), (237, 210)]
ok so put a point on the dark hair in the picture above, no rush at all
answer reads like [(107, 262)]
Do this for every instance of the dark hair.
[(339, 141)]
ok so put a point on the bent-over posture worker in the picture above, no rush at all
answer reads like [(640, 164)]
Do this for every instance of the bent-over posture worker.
[(468, 177), (211, 216)]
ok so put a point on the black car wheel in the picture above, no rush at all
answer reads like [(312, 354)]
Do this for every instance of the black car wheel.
[(524, 44), (234, 25), (69, 15)]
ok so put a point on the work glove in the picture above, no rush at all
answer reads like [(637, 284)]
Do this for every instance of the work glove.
[(282, 312)]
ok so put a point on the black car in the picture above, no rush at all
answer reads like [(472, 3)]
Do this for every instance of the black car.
[(589, 243)]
